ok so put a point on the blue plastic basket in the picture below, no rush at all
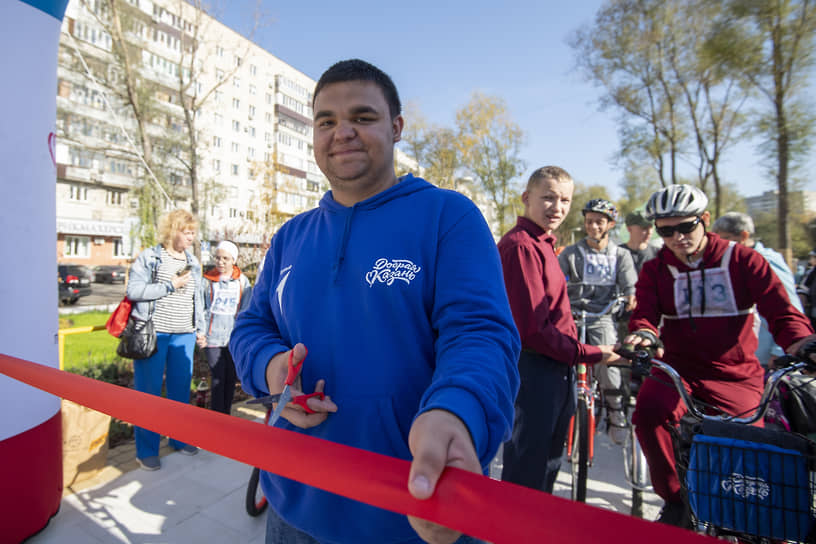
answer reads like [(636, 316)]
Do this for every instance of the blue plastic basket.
[(750, 487)]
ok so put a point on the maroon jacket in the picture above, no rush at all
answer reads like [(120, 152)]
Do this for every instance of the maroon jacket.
[(537, 291), (715, 342)]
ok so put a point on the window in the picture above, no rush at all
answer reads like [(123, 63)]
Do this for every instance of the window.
[(219, 74), (78, 193), (216, 164), (312, 186), (234, 169), (268, 98), (219, 96), (236, 82), (253, 70), (236, 126), (218, 119), (251, 89), (119, 248), (236, 104), (219, 50), (251, 131), (217, 141), (252, 111), (77, 246), (235, 148), (250, 215), (233, 212), (250, 152), (237, 60), (268, 117), (113, 197)]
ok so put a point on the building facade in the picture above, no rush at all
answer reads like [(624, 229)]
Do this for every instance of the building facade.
[(253, 126), (767, 201)]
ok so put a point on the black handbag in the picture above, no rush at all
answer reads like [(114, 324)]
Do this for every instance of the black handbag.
[(138, 340)]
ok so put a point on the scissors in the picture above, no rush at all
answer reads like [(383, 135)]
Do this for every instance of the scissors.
[(285, 397)]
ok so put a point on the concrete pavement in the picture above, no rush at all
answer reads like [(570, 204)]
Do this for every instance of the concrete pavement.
[(201, 498)]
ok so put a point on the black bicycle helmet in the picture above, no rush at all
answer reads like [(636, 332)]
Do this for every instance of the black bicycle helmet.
[(601, 205), (676, 201)]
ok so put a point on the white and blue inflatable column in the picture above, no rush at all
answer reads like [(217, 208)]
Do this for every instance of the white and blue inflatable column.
[(30, 423)]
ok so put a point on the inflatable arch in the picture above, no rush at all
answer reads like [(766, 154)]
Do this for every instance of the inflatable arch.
[(30, 423)]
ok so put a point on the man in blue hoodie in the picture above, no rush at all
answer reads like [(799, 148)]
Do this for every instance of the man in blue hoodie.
[(395, 287)]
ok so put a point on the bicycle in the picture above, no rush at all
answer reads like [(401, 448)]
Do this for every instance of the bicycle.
[(742, 483), (588, 398)]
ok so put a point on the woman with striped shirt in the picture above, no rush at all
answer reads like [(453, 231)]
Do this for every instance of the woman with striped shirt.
[(164, 285)]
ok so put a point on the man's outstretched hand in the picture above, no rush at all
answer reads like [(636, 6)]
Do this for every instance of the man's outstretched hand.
[(438, 439)]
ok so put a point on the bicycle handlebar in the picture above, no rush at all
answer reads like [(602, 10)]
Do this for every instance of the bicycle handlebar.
[(642, 363), (583, 314)]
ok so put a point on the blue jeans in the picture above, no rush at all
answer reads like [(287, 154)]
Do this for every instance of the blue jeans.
[(174, 355), (280, 532)]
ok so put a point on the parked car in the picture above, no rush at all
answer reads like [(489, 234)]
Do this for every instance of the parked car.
[(109, 273), (76, 276), (68, 294)]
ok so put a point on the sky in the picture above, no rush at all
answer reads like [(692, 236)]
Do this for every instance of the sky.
[(439, 52)]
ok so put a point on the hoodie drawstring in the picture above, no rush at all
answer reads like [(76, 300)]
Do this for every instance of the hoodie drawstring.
[(341, 253)]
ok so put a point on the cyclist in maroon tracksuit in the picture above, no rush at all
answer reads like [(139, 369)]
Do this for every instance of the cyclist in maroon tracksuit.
[(697, 295)]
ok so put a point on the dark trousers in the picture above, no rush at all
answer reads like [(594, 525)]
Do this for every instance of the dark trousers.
[(223, 378), (545, 403)]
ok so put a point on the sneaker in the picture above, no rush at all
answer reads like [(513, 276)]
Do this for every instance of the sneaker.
[(150, 463), (617, 427), (676, 514), (188, 450)]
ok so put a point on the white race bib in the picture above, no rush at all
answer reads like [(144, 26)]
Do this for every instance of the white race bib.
[(717, 289), (225, 298), (599, 268)]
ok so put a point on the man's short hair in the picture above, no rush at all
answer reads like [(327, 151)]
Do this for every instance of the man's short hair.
[(554, 173), (734, 223), (360, 70)]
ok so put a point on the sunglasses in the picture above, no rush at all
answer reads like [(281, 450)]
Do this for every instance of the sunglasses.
[(683, 228)]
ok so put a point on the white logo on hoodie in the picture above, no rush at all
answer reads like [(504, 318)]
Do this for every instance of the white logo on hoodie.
[(387, 272)]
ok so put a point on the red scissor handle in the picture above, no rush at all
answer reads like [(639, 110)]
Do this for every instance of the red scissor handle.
[(294, 369), (301, 400)]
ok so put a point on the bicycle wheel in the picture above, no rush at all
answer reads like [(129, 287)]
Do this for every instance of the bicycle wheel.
[(580, 452), (255, 500)]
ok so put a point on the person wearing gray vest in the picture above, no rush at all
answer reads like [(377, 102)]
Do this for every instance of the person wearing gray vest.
[(598, 270)]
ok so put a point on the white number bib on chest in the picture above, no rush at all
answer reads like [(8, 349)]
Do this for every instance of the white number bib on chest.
[(599, 268), (225, 298), (716, 291)]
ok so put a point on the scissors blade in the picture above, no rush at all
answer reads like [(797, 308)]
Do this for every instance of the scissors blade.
[(285, 398)]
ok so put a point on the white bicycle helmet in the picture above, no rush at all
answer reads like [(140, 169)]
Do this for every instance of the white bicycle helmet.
[(676, 201)]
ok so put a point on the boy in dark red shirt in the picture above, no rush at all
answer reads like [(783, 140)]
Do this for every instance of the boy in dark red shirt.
[(537, 291)]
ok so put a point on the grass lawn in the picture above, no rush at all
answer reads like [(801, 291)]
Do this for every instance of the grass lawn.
[(83, 350)]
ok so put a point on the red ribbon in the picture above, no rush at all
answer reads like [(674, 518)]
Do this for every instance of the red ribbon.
[(498, 512)]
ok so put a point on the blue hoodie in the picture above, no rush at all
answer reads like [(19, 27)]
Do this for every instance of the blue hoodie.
[(401, 303)]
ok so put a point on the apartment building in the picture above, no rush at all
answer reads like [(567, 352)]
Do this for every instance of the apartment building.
[(256, 165), (767, 201)]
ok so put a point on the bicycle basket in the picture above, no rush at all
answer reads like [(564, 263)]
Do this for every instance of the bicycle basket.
[(752, 480)]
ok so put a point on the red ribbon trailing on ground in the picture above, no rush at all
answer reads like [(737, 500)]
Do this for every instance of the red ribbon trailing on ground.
[(497, 512)]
